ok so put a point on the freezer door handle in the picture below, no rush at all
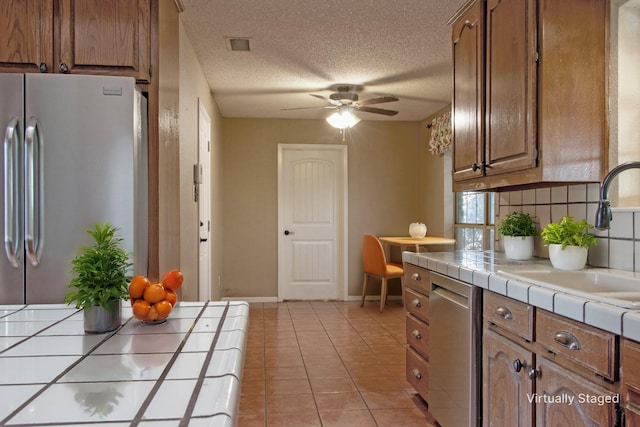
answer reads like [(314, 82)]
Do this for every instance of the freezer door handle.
[(12, 202), (33, 191)]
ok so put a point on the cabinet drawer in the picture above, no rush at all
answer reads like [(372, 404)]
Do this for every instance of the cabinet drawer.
[(418, 373), (416, 278), (631, 371), (585, 345), (416, 304), (418, 335), (512, 315)]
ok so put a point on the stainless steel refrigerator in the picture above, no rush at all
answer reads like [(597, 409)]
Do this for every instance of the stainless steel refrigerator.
[(74, 154)]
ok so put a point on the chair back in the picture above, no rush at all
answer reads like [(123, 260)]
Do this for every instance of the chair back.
[(373, 259)]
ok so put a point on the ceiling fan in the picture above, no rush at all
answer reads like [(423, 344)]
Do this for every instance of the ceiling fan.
[(347, 98)]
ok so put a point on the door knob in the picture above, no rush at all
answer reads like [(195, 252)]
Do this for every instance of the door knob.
[(287, 232)]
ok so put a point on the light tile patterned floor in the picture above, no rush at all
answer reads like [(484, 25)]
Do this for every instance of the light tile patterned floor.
[(327, 364)]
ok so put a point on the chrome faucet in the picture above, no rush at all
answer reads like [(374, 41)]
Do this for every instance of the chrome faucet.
[(603, 214)]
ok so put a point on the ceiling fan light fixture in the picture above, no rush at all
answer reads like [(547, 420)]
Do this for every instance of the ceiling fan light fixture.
[(343, 119)]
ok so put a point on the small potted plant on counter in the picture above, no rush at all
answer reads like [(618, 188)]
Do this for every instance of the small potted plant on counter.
[(517, 230), (101, 280), (568, 243)]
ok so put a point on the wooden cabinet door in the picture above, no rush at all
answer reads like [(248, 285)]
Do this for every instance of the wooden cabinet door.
[(510, 138), (506, 385), (110, 37), (26, 40), (468, 110), (558, 386)]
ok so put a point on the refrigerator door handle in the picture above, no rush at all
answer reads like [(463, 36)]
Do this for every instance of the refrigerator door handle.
[(33, 191), (12, 202)]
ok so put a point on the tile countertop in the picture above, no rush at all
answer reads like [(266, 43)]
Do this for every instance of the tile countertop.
[(186, 370), (480, 268)]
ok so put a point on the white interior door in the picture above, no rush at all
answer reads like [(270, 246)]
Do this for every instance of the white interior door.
[(204, 204), (312, 215)]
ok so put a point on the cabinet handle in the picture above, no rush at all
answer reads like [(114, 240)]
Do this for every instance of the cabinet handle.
[(416, 334), (533, 373), (63, 68), (469, 24), (518, 365), (567, 339), (416, 373), (475, 167), (42, 67), (416, 277), (503, 312), (416, 303)]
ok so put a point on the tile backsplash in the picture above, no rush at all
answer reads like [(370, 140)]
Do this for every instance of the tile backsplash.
[(617, 248)]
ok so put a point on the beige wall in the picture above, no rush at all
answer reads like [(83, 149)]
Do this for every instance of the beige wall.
[(194, 87), (169, 141), (386, 192)]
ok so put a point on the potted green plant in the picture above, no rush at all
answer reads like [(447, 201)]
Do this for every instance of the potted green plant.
[(100, 280), (517, 230), (569, 242)]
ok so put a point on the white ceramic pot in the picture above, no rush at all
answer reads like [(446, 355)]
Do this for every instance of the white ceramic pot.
[(569, 258), (417, 229), (518, 247)]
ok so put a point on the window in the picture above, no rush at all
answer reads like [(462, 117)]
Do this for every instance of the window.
[(474, 225)]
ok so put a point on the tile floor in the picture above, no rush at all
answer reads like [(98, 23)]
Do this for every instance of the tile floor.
[(327, 364)]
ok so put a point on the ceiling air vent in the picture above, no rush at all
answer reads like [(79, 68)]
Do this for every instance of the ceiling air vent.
[(238, 44)]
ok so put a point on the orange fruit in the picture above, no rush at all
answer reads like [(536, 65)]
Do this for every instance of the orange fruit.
[(137, 286), (154, 293), (171, 296), (152, 316), (163, 308), (173, 280), (141, 309)]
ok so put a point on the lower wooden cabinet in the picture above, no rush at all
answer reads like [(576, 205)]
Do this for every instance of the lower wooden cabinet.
[(416, 301), (564, 374), (507, 384), (565, 399)]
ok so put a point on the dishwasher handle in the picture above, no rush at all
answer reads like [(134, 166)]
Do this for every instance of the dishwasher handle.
[(450, 295)]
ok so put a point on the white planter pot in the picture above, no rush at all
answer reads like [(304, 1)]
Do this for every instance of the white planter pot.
[(518, 247), (571, 258), (417, 229)]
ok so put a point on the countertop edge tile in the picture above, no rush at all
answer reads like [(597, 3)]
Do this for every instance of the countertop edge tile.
[(604, 316), (569, 306)]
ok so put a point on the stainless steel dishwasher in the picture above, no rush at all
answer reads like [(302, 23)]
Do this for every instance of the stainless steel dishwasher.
[(455, 321)]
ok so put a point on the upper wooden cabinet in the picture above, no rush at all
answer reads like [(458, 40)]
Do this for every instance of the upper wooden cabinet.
[(529, 98), (106, 37)]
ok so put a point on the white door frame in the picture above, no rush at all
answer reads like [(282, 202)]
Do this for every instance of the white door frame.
[(342, 234), (203, 176)]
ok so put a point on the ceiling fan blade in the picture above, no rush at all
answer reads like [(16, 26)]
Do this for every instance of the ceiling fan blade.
[(376, 110), (307, 108), (319, 96), (378, 100)]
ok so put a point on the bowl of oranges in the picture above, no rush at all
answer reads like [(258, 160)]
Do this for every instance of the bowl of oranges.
[(152, 302)]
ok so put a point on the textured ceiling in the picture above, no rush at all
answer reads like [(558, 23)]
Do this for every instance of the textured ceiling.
[(386, 47)]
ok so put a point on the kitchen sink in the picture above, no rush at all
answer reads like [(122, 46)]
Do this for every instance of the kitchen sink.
[(599, 284)]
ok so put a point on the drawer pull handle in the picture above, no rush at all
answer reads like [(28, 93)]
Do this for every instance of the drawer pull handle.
[(416, 334), (567, 339), (504, 312), (416, 277), (416, 303), (416, 373)]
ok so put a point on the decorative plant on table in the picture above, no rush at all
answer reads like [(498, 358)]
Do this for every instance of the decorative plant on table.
[(518, 230), (568, 238), (101, 273)]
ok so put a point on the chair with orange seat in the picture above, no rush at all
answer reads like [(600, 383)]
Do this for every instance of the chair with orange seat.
[(374, 263)]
